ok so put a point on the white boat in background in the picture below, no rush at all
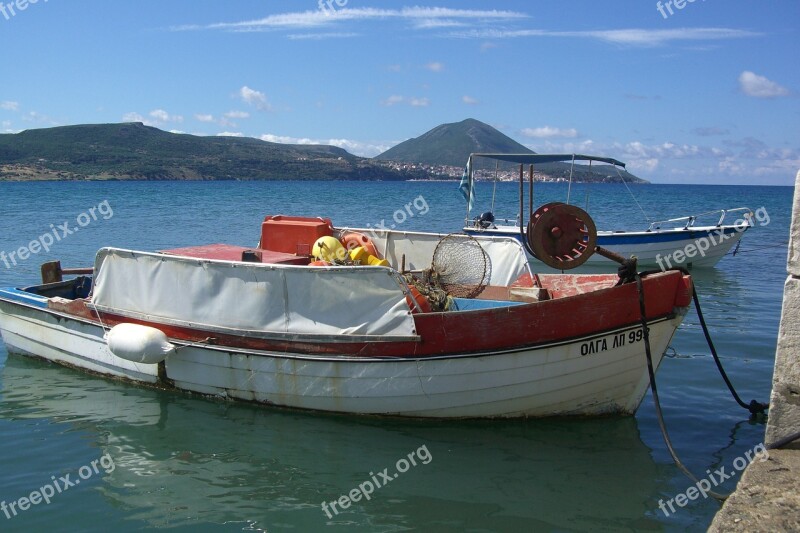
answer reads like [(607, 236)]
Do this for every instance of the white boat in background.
[(270, 325), (677, 242)]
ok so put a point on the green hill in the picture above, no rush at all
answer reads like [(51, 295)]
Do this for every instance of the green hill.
[(135, 151), (451, 145)]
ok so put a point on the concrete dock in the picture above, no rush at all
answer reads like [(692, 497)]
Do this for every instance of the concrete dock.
[(767, 497)]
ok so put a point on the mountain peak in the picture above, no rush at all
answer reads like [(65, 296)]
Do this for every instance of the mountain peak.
[(451, 144)]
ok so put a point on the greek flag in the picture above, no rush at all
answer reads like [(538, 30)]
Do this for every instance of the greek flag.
[(466, 184)]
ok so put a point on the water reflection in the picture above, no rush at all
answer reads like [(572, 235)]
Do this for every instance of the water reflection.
[(184, 461)]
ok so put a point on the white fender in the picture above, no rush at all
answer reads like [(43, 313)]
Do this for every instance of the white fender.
[(139, 344)]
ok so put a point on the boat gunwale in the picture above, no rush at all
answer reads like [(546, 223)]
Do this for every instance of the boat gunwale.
[(514, 230), (186, 343), (402, 349)]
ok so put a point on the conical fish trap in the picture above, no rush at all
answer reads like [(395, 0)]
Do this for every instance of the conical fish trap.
[(460, 266)]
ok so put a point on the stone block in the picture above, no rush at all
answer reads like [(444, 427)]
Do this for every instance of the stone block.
[(784, 412), (794, 238)]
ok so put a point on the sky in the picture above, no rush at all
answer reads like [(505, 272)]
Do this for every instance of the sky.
[(702, 91)]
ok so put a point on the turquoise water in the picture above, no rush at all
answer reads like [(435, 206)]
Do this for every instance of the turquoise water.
[(188, 463)]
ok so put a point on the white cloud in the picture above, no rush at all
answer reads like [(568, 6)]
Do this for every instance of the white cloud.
[(283, 139), (254, 98), (428, 24), (320, 36), (413, 101), (757, 86), (9, 106), (650, 37), (393, 100), (435, 66), (419, 17), (230, 134), (158, 118), (469, 100), (35, 116), (547, 132), (133, 117), (736, 160), (359, 148), (162, 116), (643, 165), (224, 121), (634, 36)]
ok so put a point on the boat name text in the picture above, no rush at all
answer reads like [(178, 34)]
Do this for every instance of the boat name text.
[(615, 341)]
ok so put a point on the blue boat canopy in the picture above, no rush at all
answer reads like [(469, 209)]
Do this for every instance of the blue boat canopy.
[(547, 158)]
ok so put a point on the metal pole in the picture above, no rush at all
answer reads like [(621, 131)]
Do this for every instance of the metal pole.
[(469, 182), (521, 198), (494, 189), (571, 168), (530, 191)]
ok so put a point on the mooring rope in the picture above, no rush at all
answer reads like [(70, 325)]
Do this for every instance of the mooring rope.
[(754, 407), (758, 248), (654, 391)]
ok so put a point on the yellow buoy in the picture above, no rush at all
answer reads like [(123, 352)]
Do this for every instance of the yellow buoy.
[(361, 255), (328, 249)]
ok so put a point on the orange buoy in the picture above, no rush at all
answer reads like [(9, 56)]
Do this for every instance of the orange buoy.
[(353, 239), (422, 302), (319, 263)]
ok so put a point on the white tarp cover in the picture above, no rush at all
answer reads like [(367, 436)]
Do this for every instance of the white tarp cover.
[(263, 299), (507, 258)]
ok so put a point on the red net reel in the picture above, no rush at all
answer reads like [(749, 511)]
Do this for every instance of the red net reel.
[(562, 236)]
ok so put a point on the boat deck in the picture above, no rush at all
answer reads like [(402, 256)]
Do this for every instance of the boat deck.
[(229, 252)]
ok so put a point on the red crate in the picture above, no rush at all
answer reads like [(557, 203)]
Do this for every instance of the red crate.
[(293, 235)]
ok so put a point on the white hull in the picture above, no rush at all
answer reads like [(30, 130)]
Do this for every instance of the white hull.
[(657, 248), (67, 341), (662, 254), (542, 381)]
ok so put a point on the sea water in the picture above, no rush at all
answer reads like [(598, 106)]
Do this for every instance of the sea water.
[(123, 458)]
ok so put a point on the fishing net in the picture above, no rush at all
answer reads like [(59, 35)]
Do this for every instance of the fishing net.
[(460, 266), (438, 299)]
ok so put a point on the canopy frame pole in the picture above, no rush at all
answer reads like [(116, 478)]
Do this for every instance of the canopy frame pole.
[(471, 183), (588, 189), (521, 198), (494, 189), (530, 191), (571, 168)]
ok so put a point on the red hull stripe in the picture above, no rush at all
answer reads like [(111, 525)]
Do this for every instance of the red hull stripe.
[(484, 331)]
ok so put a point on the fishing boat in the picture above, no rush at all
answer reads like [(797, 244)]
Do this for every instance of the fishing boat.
[(355, 321), (677, 242)]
